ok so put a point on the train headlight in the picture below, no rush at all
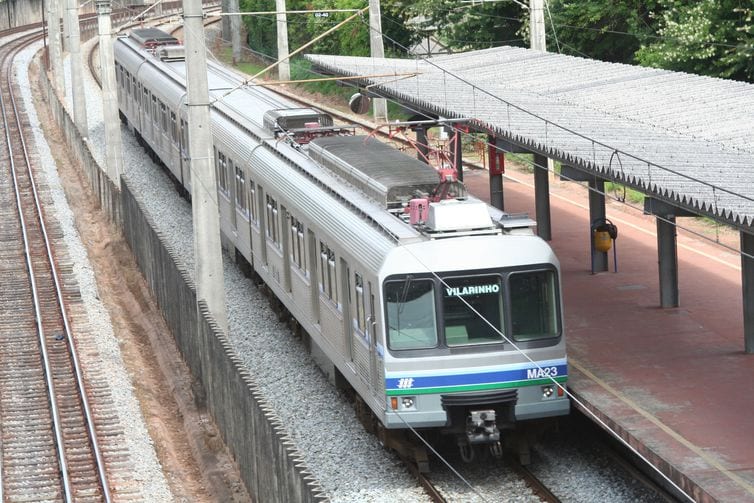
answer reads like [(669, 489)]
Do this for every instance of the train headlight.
[(547, 391), (408, 402)]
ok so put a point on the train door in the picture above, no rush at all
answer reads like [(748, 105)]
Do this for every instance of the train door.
[(262, 224), (285, 238), (313, 281), (345, 289), (234, 171), (185, 165), (375, 361)]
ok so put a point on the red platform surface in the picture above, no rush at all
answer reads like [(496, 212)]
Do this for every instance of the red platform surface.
[(675, 383)]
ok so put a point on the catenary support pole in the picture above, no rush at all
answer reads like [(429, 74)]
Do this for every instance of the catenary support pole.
[(77, 68), (113, 144), (235, 33), (207, 249), (56, 47), (284, 67), (377, 51), (537, 25)]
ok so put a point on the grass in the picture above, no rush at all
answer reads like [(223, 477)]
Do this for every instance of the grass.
[(624, 193)]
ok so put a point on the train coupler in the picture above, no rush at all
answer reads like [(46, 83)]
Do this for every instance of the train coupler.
[(481, 427)]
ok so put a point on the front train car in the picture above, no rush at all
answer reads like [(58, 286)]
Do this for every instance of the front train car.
[(473, 336)]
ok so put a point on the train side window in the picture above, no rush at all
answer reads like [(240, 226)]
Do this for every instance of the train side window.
[(241, 192), (145, 105), (252, 201), (173, 127), (361, 321), (297, 243), (327, 275), (155, 109), (273, 224), (164, 117), (222, 172)]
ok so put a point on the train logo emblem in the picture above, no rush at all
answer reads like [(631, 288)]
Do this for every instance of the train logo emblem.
[(405, 383)]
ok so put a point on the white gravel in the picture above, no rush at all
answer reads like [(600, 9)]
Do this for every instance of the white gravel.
[(145, 467)]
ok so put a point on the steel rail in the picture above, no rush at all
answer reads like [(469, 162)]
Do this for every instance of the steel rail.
[(88, 416)]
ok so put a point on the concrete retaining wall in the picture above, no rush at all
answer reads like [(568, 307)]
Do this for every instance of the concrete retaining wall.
[(270, 465)]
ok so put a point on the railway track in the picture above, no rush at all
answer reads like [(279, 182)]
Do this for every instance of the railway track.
[(49, 449)]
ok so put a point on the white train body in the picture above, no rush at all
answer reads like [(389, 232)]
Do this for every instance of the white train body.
[(386, 303)]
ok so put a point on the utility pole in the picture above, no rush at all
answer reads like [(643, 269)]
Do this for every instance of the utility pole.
[(284, 67), (77, 68), (207, 249), (225, 23), (235, 32), (377, 51), (537, 25), (56, 49), (113, 144)]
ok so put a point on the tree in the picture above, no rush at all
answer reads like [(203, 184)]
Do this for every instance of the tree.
[(708, 37), (465, 26), (352, 39), (602, 29)]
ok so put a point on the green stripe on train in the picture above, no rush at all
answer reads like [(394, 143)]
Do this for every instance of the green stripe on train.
[(474, 387)]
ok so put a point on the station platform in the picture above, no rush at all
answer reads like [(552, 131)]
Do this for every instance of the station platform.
[(675, 383)]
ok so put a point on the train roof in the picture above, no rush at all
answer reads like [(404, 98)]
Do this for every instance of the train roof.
[(385, 174), (150, 37)]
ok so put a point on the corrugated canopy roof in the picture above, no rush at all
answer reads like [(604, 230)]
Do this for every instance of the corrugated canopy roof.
[(682, 138)]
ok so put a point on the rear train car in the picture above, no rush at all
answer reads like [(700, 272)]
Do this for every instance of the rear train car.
[(441, 312)]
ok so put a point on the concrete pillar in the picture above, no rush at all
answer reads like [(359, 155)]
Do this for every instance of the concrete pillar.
[(422, 144), (56, 49), (747, 283), (113, 144), (597, 211), (496, 174), (208, 253), (235, 32), (542, 196), (225, 6), (284, 68), (66, 25), (77, 69), (667, 252), (377, 50), (537, 25)]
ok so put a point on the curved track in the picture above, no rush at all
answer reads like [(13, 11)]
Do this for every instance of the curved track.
[(49, 448)]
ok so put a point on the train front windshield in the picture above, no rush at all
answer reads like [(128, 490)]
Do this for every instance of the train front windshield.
[(464, 311)]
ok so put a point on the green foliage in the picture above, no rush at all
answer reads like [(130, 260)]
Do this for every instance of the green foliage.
[(464, 26), (708, 37), (623, 193), (352, 39), (602, 29)]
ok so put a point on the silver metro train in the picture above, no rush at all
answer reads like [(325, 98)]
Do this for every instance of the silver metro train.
[(440, 311)]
